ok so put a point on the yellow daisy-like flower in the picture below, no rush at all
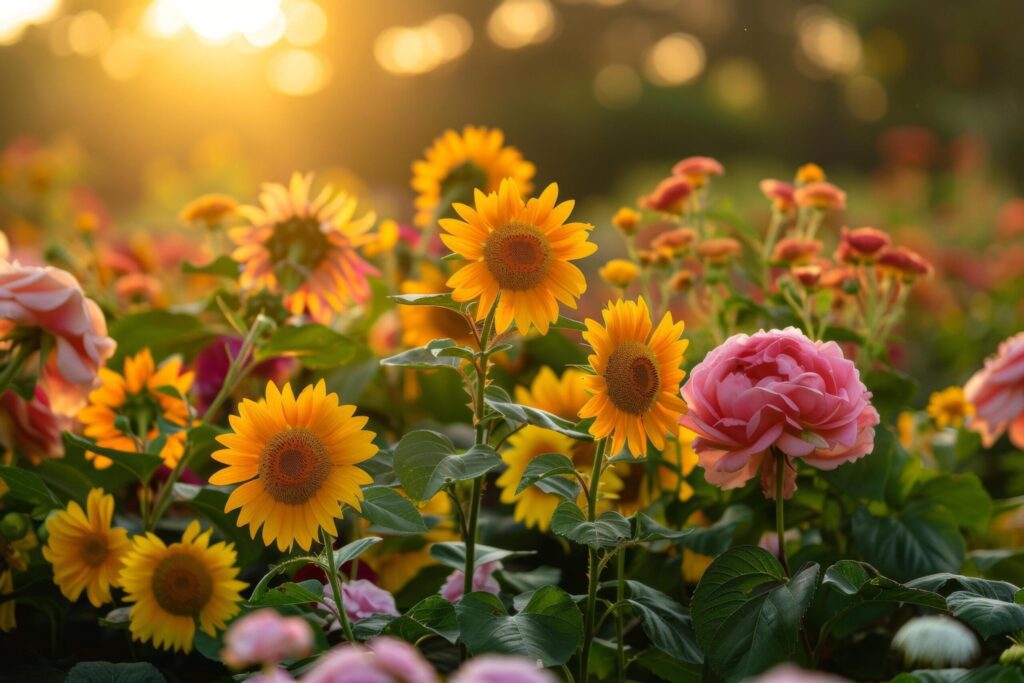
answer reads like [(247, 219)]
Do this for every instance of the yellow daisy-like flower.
[(949, 407), (456, 164), (635, 391), (305, 247), (174, 585), (137, 396), (678, 452), (619, 272), (423, 324), (211, 210), (297, 457), (521, 251), (85, 551)]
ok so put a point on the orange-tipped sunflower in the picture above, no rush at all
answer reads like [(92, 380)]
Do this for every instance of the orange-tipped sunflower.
[(456, 164), (518, 250), (297, 457), (140, 396), (175, 585), (85, 551), (305, 248), (635, 388)]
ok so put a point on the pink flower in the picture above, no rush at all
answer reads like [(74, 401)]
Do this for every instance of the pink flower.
[(779, 193), (500, 669), (697, 169), (266, 637), (275, 675), (820, 195), (362, 599), (212, 364), (669, 196), (385, 660), (788, 673), (30, 427), (483, 580), (997, 393), (776, 392), (52, 300)]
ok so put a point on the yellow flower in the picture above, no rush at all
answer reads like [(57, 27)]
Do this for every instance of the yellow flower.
[(810, 173), (297, 457), (457, 164), (85, 551), (211, 210), (382, 241), (619, 272), (949, 407), (635, 391), (423, 324), (136, 395), (518, 250), (174, 586), (694, 563), (86, 222), (626, 220), (305, 248), (679, 453), (11, 560)]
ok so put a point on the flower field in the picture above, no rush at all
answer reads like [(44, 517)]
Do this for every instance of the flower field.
[(727, 420)]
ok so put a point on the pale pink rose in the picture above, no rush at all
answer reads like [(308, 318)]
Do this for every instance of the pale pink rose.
[(483, 580), (275, 675), (500, 669), (789, 673), (30, 427), (51, 299), (776, 392), (362, 599), (384, 660), (266, 637), (997, 393)]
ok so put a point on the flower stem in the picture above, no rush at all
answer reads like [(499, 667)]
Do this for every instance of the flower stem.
[(593, 566), (780, 524), (10, 370), (332, 577), (620, 625)]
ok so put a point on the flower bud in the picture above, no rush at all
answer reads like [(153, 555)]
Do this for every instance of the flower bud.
[(619, 273)]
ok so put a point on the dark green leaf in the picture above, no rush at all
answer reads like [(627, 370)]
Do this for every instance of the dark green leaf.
[(917, 540), (162, 332), (891, 391), (549, 465), (986, 616), (569, 324), (861, 583), (428, 356), (946, 583), (961, 494), (142, 465), (453, 554), (307, 592), (351, 551), (646, 529), (316, 346), (866, 477), (425, 461), (28, 487), (108, 672), (386, 508), (520, 414), (439, 300), (610, 529), (665, 622), (222, 266), (715, 539), (432, 615)]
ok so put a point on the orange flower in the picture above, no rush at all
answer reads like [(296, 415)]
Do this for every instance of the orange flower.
[(626, 220), (779, 193), (820, 195), (810, 173), (211, 210), (862, 244), (796, 250), (669, 196), (904, 263), (697, 169), (677, 241), (719, 250)]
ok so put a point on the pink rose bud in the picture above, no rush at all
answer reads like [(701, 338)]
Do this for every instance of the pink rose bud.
[(264, 637), (500, 669), (483, 580), (997, 394), (362, 599), (385, 660)]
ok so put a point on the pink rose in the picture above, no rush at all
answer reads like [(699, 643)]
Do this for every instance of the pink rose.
[(483, 580), (997, 393), (362, 599), (788, 673), (51, 299), (30, 427), (500, 669), (385, 660), (266, 637), (776, 392)]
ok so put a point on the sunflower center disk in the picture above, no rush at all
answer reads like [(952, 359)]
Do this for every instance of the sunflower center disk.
[(518, 256), (296, 248), (94, 551), (459, 184), (182, 584), (142, 411), (632, 378), (294, 465)]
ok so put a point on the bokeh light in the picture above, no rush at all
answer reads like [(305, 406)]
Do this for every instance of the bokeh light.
[(409, 50), (517, 23), (738, 83), (18, 15), (617, 86), (298, 72), (674, 60), (828, 42), (88, 33)]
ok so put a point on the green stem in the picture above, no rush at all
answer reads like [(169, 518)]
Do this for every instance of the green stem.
[(10, 370), (780, 525), (332, 576), (593, 565), (620, 622)]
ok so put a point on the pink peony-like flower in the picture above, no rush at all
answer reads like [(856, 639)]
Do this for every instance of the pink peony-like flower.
[(275, 675), (266, 637), (212, 364), (788, 673), (997, 394), (52, 300), (384, 660), (776, 392), (483, 580), (30, 427), (362, 599), (501, 669), (697, 169)]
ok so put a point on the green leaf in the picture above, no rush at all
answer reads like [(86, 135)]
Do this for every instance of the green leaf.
[(946, 582), (386, 508), (211, 503), (746, 613), (609, 530), (297, 561), (861, 582), (669, 668), (646, 529), (426, 357), (142, 465), (867, 476), (548, 629), (222, 266), (716, 539), (315, 346), (431, 616), (891, 391), (915, 541), (28, 487), (108, 672), (426, 461), (306, 592), (453, 554), (443, 300), (520, 414), (665, 622), (164, 333), (963, 495), (569, 324), (351, 551), (987, 616), (119, 617), (543, 467)]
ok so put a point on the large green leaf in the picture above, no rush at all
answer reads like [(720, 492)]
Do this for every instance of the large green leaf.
[(746, 613), (304, 593), (431, 616), (891, 391), (987, 616), (453, 554), (316, 346), (866, 477), (425, 461), (947, 583), (162, 332), (386, 508), (142, 465), (438, 300), (665, 622), (351, 551), (962, 495), (436, 354), (109, 672), (860, 582), (610, 529), (920, 539), (546, 466), (28, 487), (646, 529), (716, 539), (519, 414), (548, 629)]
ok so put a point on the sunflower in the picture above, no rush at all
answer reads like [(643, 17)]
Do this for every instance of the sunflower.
[(423, 324), (635, 388), (563, 397), (949, 407), (141, 397), (456, 164), (519, 250), (85, 551), (297, 457), (305, 248), (174, 585)]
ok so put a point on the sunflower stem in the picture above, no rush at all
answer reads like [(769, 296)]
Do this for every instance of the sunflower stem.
[(332, 576), (780, 524), (593, 565), (620, 622)]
